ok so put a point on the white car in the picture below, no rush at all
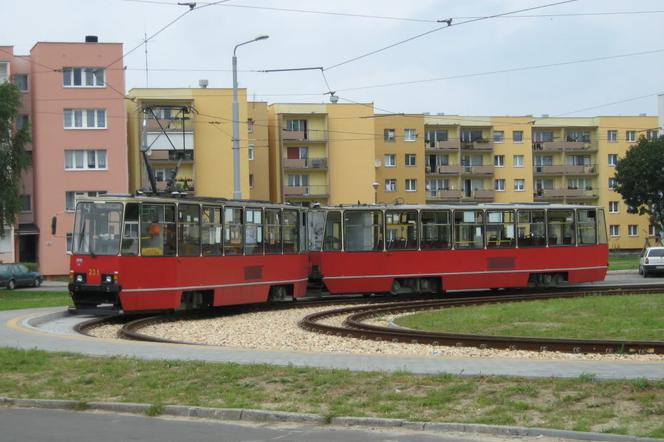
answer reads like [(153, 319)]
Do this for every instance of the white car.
[(652, 260)]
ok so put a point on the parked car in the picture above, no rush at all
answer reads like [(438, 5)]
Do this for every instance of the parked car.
[(652, 261), (18, 275)]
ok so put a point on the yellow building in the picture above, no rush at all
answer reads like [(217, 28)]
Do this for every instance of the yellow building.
[(190, 130), (258, 151), (321, 153)]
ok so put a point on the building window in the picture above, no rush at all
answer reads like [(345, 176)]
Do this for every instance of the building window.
[(250, 152), (498, 136), (613, 159), (612, 183), (390, 185), (250, 125), (411, 185), (296, 125), (69, 237), (85, 159), (4, 72), (163, 175), (433, 136), (519, 185), (21, 82), (612, 136), (390, 160), (389, 135), (652, 134), (632, 230), (517, 160), (614, 230), (517, 136), (613, 206), (298, 180), (409, 135), (83, 77), (85, 118), (22, 121), (499, 160), (410, 159), (630, 135), (71, 197), (543, 136), (251, 180), (26, 203), (499, 185)]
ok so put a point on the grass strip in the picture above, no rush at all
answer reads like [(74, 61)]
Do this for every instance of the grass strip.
[(623, 262), (18, 299), (627, 317), (583, 404)]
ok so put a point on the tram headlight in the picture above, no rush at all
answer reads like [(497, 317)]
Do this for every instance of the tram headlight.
[(107, 279), (79, 278)]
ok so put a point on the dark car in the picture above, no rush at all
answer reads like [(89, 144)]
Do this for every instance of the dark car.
[(18, 275)]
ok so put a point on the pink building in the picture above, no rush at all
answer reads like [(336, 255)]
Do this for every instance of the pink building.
[(74, 102)]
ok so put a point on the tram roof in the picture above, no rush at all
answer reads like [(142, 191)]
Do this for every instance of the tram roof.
[(461, 206)]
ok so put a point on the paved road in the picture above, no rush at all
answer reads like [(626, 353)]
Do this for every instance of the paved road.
[(26, 425)]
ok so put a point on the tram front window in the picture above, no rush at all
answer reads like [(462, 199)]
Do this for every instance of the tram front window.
[(97, 229)]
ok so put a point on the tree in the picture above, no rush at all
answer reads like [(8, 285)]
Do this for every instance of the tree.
[(640, 180), (13, 157)]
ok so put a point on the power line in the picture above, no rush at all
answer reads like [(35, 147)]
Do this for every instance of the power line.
[(448, 25), (610, 104)]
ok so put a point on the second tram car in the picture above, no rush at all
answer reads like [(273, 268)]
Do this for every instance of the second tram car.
[(139, 253)]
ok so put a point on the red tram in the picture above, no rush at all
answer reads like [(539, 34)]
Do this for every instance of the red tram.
[(138, 253)]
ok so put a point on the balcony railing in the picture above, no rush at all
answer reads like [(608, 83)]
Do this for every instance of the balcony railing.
[(480, 145), (559, 194), (449, 145), (567, 169), (481, 195), (450, 169), (313, 191), (567, 146), (478, 170), (306, 163), (444, 195), (312, 135)]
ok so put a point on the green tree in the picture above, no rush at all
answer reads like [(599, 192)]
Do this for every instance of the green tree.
[(640, 180), (13, 157)]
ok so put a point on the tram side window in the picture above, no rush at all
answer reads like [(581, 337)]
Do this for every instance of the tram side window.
[(531, 228), (401, 229), (272, 231), (363, 230), (232, 231), (130, 234), (587, 226), (468, 229), (211, 229), (560, 225), (290, 231), (500, 229), (332, 239), (158, 235), (436, 229), (189, 233), (601, 228), (253, 231)]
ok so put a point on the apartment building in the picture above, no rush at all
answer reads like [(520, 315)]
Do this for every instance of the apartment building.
[(321, 153), (73, 100), (186, 134)]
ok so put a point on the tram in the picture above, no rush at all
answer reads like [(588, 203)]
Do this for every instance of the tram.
[(145, 253)]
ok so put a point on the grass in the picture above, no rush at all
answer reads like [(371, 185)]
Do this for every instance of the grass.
[(623, 262), (18, 299), (629, 317), (623, 407)]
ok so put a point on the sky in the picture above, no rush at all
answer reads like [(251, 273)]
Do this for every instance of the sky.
[(579, 58)]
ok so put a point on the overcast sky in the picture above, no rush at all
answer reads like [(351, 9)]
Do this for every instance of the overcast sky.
[(200, 45)]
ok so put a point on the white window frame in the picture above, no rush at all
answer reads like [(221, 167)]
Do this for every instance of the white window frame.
[(250, 152), (614, 157), (518, 160), (4, 77), (614, 181), (519, 185), (499, 184), (84, 113), (633, 229), (514, 132), (390, 185), (70, 240), (615, 227), (498, 136), (298, 180), (71, 160), (499, 160), (408, 157), (27, 82), (29, 197), (630, 135), (80, 194), (390, 160), (613, 207), (389, 135), (411, 184), (68, 76), (409, 135), (612, 136)]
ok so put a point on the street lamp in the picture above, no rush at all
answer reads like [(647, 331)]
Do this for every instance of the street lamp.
[(237, 194), (375, 187)]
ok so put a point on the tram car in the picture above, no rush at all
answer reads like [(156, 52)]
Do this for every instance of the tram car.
[(140, 253)]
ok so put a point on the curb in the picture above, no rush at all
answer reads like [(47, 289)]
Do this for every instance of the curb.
[(236, 414)]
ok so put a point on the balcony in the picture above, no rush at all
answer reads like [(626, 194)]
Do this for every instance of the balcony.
[(444, 170), (567, 146), (480, 145), (569, 194), (478, 170), (311, 135), (549, 170), (580, 194), (449, 145), (567, 169), (446, 195), (482, 195), (306, 164), (313, 191)]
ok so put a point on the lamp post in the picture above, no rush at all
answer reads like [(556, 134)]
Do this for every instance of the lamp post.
[(237, 194), (375, 187)]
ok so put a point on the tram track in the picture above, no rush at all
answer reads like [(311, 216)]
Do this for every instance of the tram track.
[(355, 325)]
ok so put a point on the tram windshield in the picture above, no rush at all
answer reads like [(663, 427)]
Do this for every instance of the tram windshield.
[(97, 228)]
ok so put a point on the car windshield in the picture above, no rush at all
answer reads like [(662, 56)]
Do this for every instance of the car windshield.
[(656, 253), (97, 228)]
